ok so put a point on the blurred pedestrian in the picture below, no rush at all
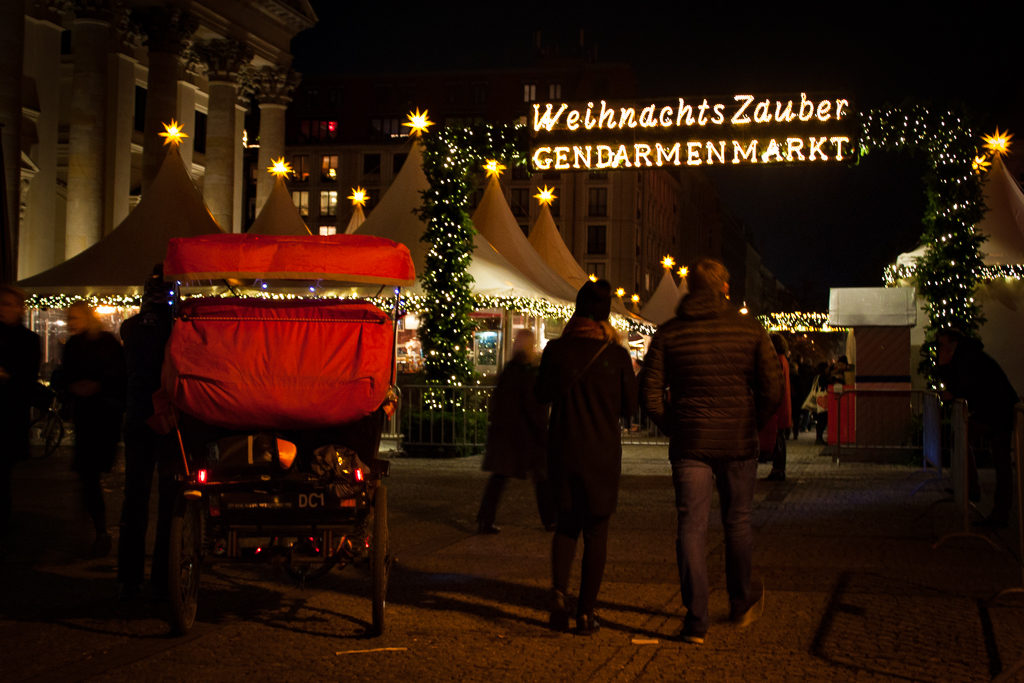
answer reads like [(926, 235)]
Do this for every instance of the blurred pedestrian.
[(516, 435), (19, 373), (587, 377), (772, 437), (144, 336), (92, 376), (973, 375), (711, 380)]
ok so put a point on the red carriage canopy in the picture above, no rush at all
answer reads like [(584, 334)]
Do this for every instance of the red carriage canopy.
[(342, 258)]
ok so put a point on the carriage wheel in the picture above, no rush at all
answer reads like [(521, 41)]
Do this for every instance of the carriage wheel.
[(379, 556), (53, 434), (184, 558)]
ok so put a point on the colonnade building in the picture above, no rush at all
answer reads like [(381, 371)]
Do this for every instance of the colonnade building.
[(88, 87)]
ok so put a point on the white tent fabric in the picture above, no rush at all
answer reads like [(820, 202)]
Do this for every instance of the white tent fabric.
[(1003, 223), (548, 243), (279, 215), (661, 307), (494, 220), (124, 259), (358, 218), (393, 218)]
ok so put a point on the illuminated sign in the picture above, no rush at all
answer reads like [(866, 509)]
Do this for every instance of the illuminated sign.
[(744, 129)]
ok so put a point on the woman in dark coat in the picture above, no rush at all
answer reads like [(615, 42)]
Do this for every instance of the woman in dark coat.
[(92, 375), (516, 435), (587, 377)]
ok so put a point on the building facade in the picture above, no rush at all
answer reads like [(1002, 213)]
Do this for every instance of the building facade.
[(99, 78)]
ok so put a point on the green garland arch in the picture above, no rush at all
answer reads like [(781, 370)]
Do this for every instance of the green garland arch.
[(947, 274)]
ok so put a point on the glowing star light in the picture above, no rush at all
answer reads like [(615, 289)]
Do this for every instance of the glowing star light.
[(493, 167), (279, 168), (545, 195), (668, 262), (683, 271), (418, 123), (980, 164), (620, 292), (592, 277), (173, 133), (998, 143), (359, 196), (635, 298)]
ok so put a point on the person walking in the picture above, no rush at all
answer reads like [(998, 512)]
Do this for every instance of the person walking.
[(711, 380), (772, 437), (92, 375), (587, 377), (19, 372), (516, 436), (144, 336), (973, 375)]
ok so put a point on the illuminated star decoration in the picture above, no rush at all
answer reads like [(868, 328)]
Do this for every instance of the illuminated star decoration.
[(279, 168), (980, 164), (668, 262), (635, 298), (545, 195), (493, 168), (173, 133), (592, 277), (359, 196), (998, 142), (418, 123), (683, 271), (620, 292)]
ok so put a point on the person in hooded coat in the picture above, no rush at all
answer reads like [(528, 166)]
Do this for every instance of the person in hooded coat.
[(587, 377)]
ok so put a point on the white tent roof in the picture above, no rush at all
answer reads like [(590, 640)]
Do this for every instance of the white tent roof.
[(661, 307), (393, 218), (548, 243), (279, 215), (124, 259), (1003, 223), (494, 220), (358, 218)]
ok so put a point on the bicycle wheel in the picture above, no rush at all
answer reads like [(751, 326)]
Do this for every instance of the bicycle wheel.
[(184, 558), (379, 557), (53, 434)]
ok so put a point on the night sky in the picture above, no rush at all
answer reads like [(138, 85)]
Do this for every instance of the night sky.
[(815, 227)]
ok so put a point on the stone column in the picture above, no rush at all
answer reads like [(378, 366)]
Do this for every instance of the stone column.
[(40, 241), (167, 33), (274, 87), (12, 37), (222, 183), (90, 41), (119, 140)]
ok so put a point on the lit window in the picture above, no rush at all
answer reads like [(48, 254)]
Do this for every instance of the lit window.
[(530, 92), (554, 91), (301, 201), (329, 167), (329, 203), (328, 230), (300, 166)]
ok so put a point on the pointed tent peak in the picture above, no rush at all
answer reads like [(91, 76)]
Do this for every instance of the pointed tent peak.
[(544, 237), (663, 302), (358, 218), (279, 216), (494, 220), (1003, 223), (122, 261)]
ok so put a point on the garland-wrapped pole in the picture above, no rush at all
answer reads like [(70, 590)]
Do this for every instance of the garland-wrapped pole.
[(450, 158), (947, 274)]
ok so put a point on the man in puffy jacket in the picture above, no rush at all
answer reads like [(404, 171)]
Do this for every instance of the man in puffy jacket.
[(711, 379)]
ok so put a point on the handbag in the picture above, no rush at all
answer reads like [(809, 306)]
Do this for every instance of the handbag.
[(817, 399)]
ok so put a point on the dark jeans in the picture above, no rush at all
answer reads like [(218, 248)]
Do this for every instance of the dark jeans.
[(595, 549), (694, 481), (496, 484), (779, 454), (144, 453)]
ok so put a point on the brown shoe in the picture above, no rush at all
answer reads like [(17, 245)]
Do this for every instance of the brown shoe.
[(751, 614)]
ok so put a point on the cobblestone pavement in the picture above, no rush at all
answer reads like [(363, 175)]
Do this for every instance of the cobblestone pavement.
[(855, 590)]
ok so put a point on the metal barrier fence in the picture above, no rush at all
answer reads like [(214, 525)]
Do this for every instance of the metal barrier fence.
[(885, 423)]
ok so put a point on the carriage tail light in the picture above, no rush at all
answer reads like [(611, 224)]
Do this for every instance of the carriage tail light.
[(202, 476), (286, 452), (359, 474)]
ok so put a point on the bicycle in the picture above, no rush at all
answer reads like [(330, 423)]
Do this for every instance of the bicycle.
[(48, 427)]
